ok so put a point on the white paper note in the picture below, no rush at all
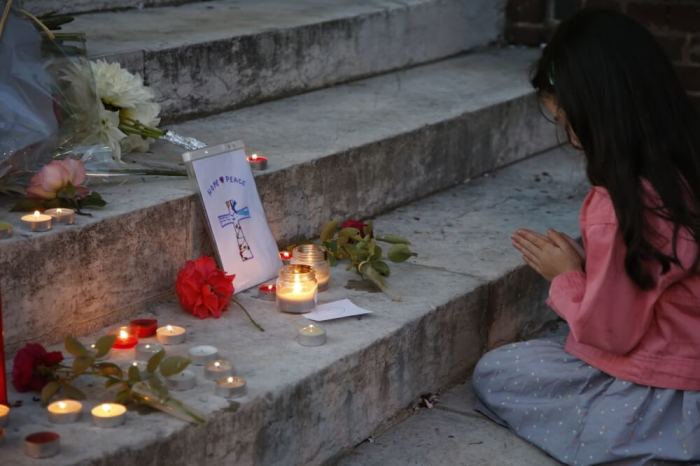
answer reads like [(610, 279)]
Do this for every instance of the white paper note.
[(336, 310)]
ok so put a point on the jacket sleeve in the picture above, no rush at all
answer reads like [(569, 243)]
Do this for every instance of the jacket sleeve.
[(603, 306)]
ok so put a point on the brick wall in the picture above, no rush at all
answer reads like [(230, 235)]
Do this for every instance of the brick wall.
[(675, 23)]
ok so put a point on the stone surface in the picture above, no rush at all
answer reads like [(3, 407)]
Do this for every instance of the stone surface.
[(355, 150), (205, 57), (452, 434), (306, 405), (39, 7)]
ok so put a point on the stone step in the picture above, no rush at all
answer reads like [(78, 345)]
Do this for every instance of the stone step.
[(450, 434), (72, 7), (352, 150), (308, 405), (206, 57)]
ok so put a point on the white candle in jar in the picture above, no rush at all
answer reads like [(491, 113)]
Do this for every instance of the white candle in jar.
[(37, 221), (64, 411), (311, 335), (171, 335), (108, 415), (4, 415), (217, 370), (62, 215), (231, 386), (144, 351)]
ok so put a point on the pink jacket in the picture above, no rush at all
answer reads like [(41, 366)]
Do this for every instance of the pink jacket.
[(649, 337)]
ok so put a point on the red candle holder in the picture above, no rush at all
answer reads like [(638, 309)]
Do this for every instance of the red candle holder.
[(268, 291), (125, 339), (257, 162), (143, 328), (286, 257)]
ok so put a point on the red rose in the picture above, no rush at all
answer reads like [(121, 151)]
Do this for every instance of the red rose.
[(203, 289), (353, 224), (31, 368)]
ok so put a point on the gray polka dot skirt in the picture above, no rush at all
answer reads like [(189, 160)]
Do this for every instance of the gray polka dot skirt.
[(582, 416)]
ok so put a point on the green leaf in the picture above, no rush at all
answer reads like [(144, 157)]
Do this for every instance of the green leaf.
[(134, 375), (400, 253), (123, 396), (328, 230), (28, 205), (155, 360), (93, 200), (368, 229), (72, 392), (109, 369), (393, 239), (371, 274), (173, 365), (104, 344), (158, 386), (381, 267), (82, 363), (350, 233), (49, 391), (112, 382), (375, 252), (74, 347)]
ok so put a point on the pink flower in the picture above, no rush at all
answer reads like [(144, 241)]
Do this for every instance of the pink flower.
[(55, 176)]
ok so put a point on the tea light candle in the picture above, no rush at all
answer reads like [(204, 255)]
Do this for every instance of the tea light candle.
[(37, 222), (171, 335), (200, 355), (231, 386), (286, 257), (64, 411), (268, 292), (42, 444), (185, 380), (108, 415), (217, 370), (143, 328), (124, 340), (62, 215), (144, 351), (257, 162), (4, 415), (311, 335), (5, 230)]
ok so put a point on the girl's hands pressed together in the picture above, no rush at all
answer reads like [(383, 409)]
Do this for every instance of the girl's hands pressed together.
[(549, 255)]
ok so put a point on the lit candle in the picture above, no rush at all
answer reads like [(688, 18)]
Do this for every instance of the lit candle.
[(5, 230), (108, 415), (37, 222), (184, 380), (4, 415), (286, 257), (143, 328), (268, 292), (62, 215), (64, 411), (257, 162), (311, 335), (42, 444), (171, 335), (231, 387), (314, 256), (142, 366), (296, 289), (200, 355), (217, 370), (124, 340), (144, 351)]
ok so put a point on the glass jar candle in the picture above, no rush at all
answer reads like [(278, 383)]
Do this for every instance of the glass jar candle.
[(296, 289), (315, 256)]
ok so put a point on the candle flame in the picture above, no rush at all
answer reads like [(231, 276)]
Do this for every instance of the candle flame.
[(169, 328), (254, 156), (217, 364), (296, 288), (123, 334), (59, 210), (148, 346), (106, 408), (230, 380), (269, 287), (36, 213), (62, 404), (135, 364)]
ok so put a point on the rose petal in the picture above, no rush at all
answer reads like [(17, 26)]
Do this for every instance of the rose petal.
[(76, 171)]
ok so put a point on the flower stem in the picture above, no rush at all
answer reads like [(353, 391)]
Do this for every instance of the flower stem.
[(131, 126), (249, 316)]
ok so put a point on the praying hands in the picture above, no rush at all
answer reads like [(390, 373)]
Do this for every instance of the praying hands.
[(551, 254)]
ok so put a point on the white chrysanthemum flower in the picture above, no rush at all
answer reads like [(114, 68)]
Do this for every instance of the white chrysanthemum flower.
[(110, 133), (118, 87)]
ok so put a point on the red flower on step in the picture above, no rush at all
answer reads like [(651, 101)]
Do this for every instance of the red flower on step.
[(353, 224), (33, 367), (203, 289)]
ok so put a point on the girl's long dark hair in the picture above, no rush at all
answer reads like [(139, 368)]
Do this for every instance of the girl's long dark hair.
[(634, 121)]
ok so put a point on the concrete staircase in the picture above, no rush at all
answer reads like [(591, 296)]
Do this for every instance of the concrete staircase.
[(366, 109)]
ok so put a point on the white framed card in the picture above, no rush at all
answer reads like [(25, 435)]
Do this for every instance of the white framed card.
[(234, 213)]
